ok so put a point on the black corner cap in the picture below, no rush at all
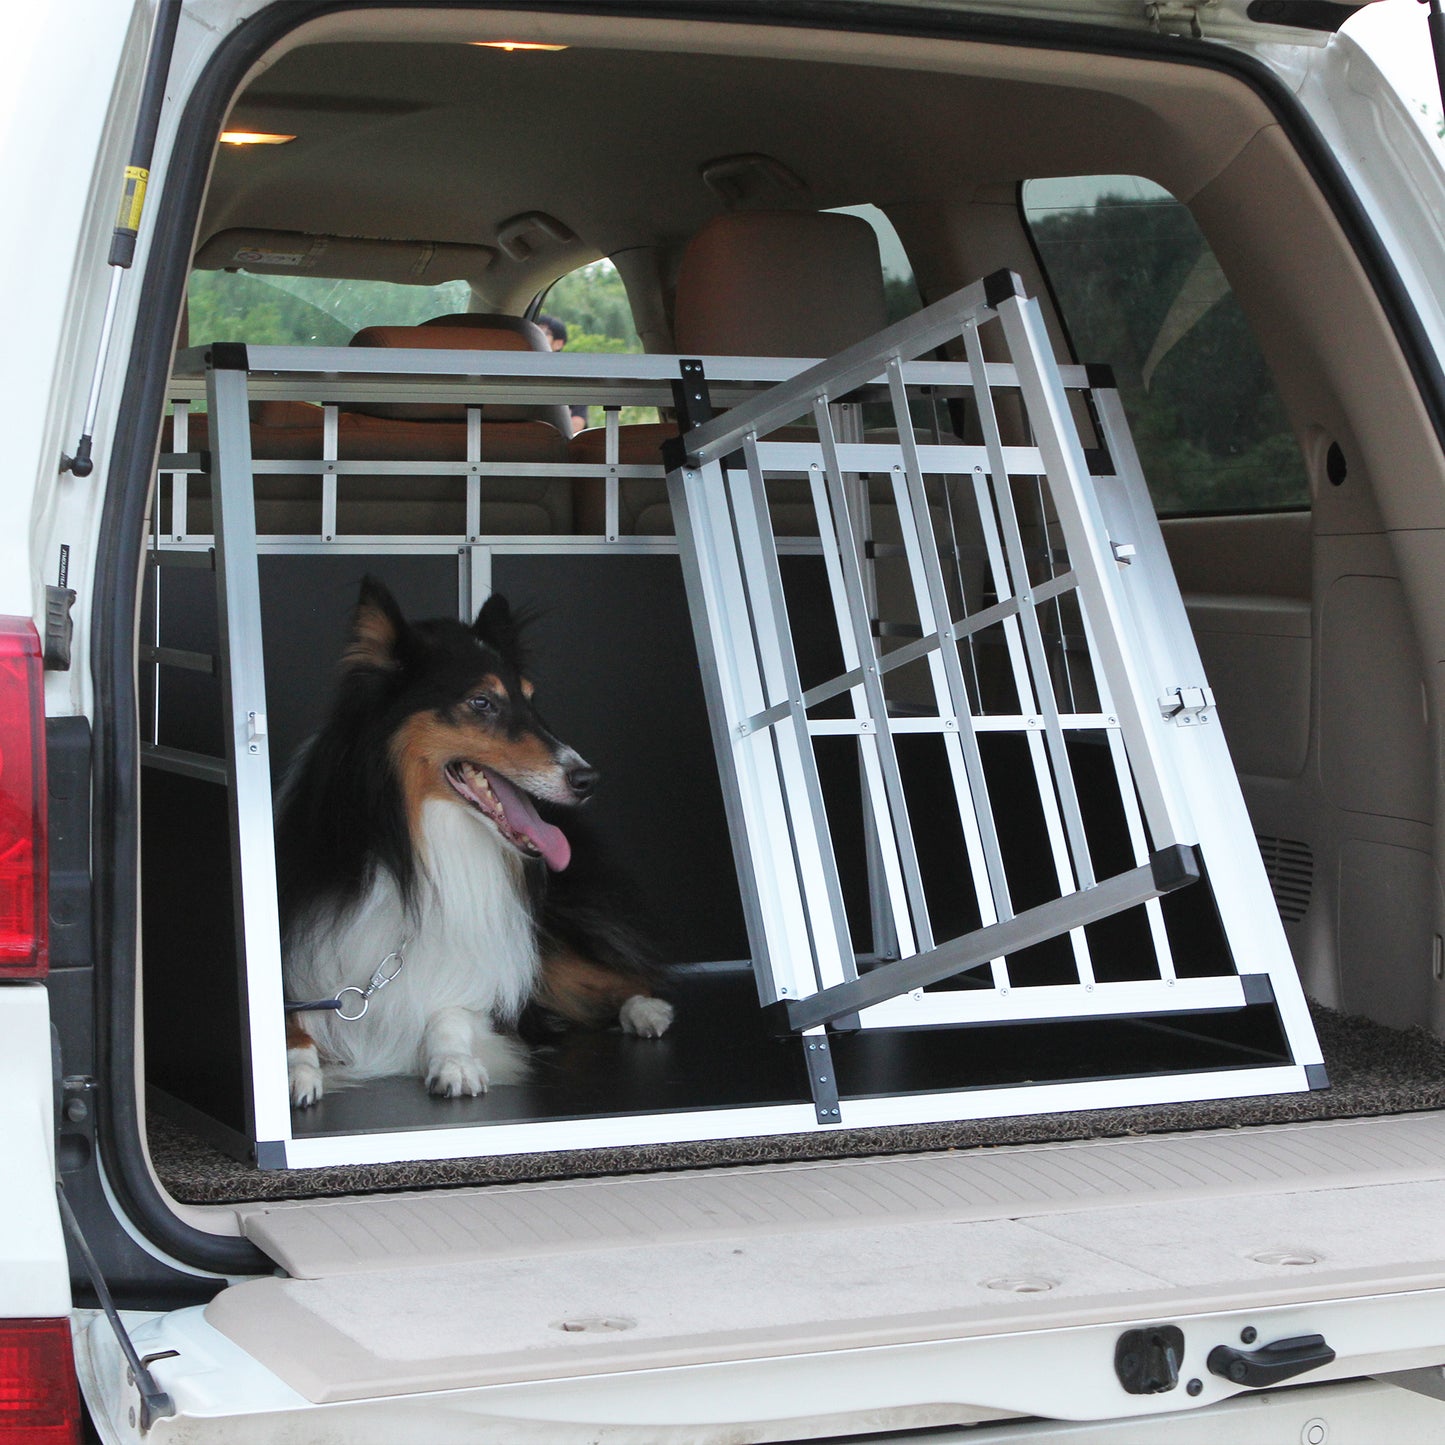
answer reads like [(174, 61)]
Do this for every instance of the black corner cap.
[(1174, 867), (228, 356), (270, 1154), (675, 455), (1098, 461), (1316, 1076), (1001, 286), (1100, 373), (1257, 988), (777, 1021)]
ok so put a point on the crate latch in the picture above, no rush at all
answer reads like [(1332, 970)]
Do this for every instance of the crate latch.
[(1186, 706)]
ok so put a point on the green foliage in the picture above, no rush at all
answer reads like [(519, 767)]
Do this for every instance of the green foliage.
[(590, 341), (1211, 431), (900, 296), (593, 302), (308, 310)]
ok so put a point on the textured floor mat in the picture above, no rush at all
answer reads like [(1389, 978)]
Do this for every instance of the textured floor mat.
[(1373, 1070)]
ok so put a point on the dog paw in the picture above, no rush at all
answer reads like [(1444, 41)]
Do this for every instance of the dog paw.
[(648, 1018), (456, 1076), (307, 1083)]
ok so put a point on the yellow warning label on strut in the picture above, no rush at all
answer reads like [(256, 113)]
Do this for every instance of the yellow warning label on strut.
[(132, 199)]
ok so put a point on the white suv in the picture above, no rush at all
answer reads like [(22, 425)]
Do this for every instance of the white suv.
[(1071, 1212)]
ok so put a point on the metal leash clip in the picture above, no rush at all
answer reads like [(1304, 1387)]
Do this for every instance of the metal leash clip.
[(378, 981)]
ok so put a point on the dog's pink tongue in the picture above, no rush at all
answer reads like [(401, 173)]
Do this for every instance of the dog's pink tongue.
[(523, 818)]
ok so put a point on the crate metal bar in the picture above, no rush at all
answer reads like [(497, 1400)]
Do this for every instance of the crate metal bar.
[(887, 903), (888, 893), (1086, 536), (612, 460), (1034, 646), (992, 723), (803, 789), (1048, 755), (180, 483), (285, 371), (238, 596), (330, 453), (1167, 870), (302, 466), (975, 809), (752, 789), (943, 1007), (855, 616), (474, 472)]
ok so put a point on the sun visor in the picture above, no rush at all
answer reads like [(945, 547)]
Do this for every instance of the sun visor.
[(351, 258)]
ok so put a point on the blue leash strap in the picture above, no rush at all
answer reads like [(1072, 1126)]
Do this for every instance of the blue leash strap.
[(379, 979)]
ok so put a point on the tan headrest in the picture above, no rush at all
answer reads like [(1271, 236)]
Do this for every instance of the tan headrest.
[(494, 321), (463, 332), (778, 283), (444, 338)]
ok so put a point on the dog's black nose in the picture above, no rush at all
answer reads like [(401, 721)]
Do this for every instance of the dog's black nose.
[(582, 780)]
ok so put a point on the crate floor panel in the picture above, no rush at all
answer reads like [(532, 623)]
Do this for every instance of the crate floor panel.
[(1373, 1071), (719, 1054)]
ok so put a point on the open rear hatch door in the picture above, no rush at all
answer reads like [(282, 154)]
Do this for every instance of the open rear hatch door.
[(1096, 1280)]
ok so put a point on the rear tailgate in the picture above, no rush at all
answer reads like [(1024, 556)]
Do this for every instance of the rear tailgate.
[(868, 1293)]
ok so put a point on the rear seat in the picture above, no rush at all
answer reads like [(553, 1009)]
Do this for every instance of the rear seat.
[(429, 432), (751, 283), (408, 505)]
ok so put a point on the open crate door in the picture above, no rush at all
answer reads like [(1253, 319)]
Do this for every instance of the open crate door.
[(1003, 610)]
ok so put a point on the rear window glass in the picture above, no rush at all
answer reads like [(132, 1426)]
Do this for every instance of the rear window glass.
[(308, 310), (1138, 288)]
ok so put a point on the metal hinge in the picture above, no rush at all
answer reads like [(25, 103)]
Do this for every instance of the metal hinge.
[(1174, 19), (1186, 706)]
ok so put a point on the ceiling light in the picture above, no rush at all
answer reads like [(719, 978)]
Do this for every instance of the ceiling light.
[(510, 45), (254, 138)]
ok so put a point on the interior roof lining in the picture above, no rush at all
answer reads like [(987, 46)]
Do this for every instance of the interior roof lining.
[(1204, 118)]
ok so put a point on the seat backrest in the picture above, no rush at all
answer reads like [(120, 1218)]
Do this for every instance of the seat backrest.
[(778, 283), (754, 283), (462, 332)]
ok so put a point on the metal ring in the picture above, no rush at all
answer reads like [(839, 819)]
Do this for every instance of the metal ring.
[(361, 994)]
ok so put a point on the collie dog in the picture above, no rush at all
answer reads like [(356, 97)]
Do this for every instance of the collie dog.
[(420, 887)]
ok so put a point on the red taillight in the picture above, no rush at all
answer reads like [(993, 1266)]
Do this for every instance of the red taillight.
[(24, 900), (39, 1399)]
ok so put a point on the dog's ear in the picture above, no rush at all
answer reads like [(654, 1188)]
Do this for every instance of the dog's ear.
[(377, 628), (496, 627)]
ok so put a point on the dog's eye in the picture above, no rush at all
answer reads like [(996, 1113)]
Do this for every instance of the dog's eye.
[(481, 703)]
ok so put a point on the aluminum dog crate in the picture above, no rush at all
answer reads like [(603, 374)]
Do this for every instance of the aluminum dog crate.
[(989, 850)]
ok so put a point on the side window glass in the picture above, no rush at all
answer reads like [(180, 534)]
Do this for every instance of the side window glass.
[(900, 290), (1138, 288), (595, 315)]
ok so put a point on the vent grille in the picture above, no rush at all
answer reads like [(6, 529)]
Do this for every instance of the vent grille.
[(1290, 868)]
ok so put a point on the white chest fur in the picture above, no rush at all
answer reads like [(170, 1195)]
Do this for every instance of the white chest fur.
[(468, 943)]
